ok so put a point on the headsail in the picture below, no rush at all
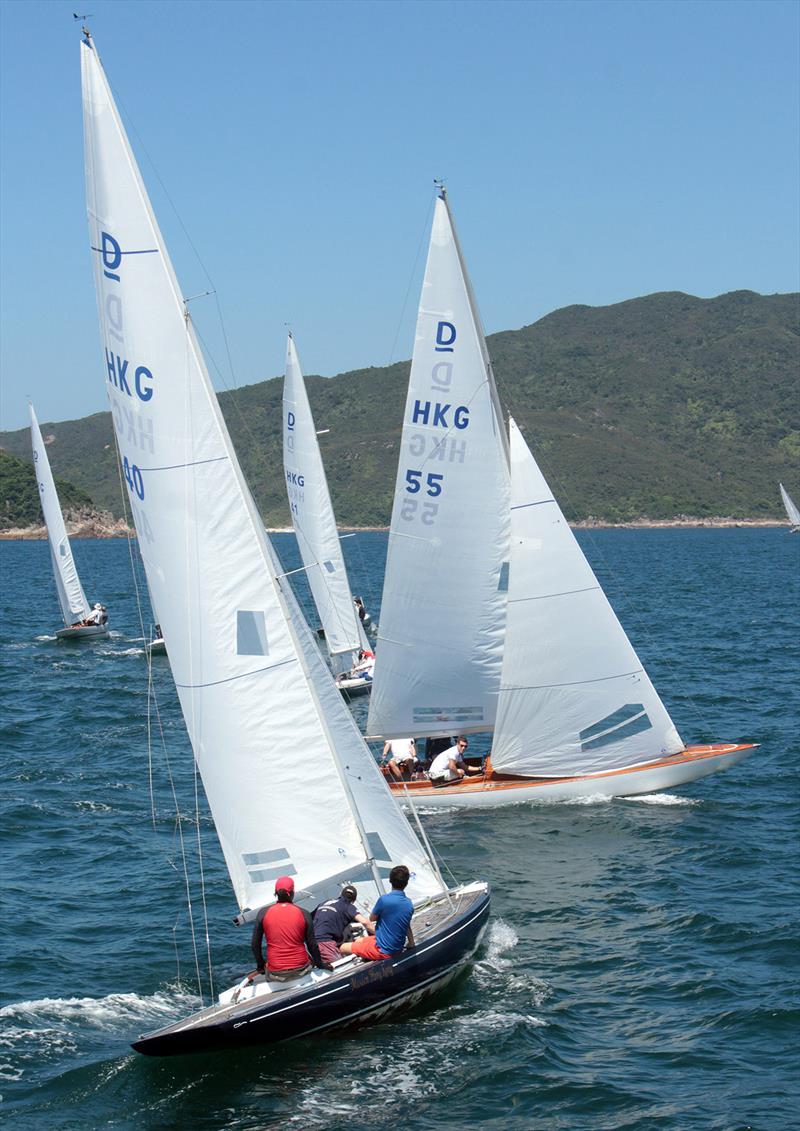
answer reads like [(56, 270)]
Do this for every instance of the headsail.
[(312, 514), (574, 696), (792, 511), (442, 618), (74, 606), (292, 787)]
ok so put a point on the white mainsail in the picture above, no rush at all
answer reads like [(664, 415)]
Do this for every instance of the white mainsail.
[(443, 613), (292, 787), (792, 511), (574, 697), (312, 514), (74, 606)]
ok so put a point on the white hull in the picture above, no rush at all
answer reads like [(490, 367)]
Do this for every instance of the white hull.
[(353, 687), (86, 632), (157, 647), (690, 765)]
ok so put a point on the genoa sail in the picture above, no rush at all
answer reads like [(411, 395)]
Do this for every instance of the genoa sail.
[(292, 787), (440, 639), (72, 599), (574, 697), (312, 515)]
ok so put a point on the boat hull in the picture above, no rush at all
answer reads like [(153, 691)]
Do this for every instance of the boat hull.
[(495, 789), (351, 688), (85, 632), (157, 647), (360, 994)]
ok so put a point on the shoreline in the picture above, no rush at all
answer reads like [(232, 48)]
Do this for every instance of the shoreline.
[(120, 530)]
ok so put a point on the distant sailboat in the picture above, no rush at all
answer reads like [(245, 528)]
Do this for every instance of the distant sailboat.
[(292, 787), (492, 618), (75, 609), (318, 538), (792, 512)]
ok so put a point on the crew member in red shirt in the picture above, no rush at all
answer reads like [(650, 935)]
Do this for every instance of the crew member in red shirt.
[(289, 935)]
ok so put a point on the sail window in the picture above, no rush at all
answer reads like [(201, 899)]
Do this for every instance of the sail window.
[(502, 584), (330, 567), (623, 723), (251, 633)]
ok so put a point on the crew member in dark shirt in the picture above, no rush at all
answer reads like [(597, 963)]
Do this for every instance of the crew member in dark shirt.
[(331, 920), (289, 935)]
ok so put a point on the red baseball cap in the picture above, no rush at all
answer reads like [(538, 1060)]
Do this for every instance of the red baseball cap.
[(284, 883)]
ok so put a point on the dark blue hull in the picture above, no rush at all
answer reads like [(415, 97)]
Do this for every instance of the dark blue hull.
[(360, 994)]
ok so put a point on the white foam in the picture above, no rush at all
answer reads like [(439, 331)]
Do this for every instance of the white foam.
[(500, 938), (109, 1013), (662, 799), (589, 799)]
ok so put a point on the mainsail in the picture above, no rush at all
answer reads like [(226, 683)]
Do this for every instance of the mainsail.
[(74, 606), (574, 697), (292, 787), (312, 515), (792, 511), (442, 619)]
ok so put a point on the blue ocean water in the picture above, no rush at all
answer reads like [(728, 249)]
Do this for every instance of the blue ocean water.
[(641, 969)]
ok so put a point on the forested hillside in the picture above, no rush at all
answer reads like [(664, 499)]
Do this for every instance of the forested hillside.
[(660, 406), (19, 494)]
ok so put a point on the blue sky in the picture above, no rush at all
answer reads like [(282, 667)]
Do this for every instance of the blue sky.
[(593, 152)]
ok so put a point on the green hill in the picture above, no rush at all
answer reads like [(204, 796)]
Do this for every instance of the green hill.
[(19, 494), (655, 407)]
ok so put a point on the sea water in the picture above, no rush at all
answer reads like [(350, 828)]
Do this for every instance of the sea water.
[(641, 967)]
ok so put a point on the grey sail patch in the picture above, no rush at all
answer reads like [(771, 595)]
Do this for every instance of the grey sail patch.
[(329, 566), (622, 723), (502, 584), (279, 860), (251, 633), (424, 715)]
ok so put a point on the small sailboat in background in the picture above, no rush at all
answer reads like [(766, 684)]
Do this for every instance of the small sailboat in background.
[(792, 511), (291, 784), (318, 538), (81, 621), (492, 618)]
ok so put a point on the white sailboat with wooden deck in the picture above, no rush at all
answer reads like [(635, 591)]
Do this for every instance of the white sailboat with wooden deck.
[(75, 609), (492, 619), (292, 787), (318, 537)]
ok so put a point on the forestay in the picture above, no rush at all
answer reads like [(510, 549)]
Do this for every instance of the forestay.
[(312, 514), (442, 620), (284, 769), (74, 606), (574, 697)]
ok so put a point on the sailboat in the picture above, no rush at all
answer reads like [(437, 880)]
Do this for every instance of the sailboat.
[(75, 609), (792, 512), (291, 785), (492, 619), (318, 538)]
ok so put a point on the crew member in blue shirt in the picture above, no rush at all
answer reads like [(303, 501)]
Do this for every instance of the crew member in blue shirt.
[(392, 916)]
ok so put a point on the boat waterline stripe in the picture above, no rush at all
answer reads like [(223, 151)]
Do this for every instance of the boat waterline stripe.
[(547, 596), (523, 506), (573, 683), (177, 466), (244, 675)]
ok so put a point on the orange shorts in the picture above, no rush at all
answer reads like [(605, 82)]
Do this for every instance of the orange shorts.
[(366, 948)]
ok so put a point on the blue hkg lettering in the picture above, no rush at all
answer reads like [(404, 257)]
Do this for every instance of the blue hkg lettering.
[(445, 336), (295, 479), (461, 416), (422, 413), (144, 393), (118, 367)]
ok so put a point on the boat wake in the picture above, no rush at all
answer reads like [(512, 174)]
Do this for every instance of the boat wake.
[(34, 1033), (662, 799)]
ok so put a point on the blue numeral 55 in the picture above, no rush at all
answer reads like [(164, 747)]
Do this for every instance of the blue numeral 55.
[(433, 482)]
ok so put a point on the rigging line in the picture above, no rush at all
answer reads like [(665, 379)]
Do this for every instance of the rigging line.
[(187, 384), (428, 849), (425, 227), (131, 529)]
